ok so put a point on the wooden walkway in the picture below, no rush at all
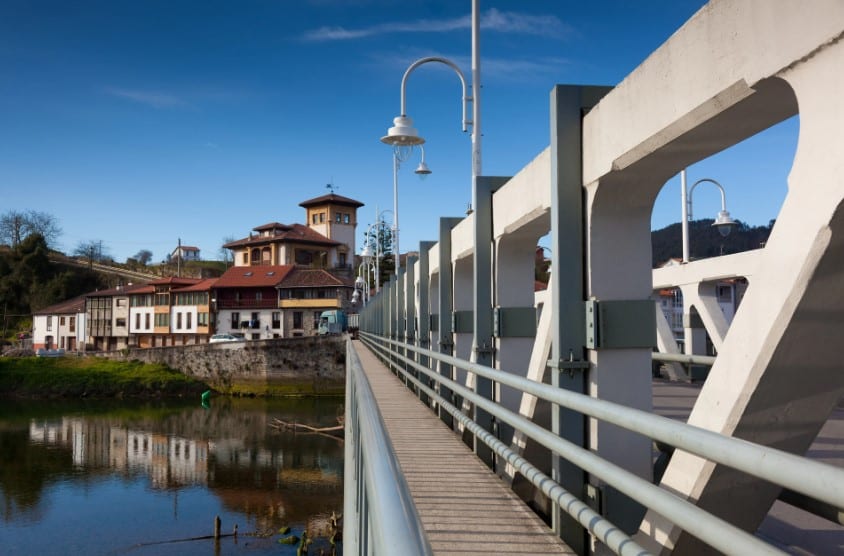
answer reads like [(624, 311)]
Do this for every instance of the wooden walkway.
[(464, 507)]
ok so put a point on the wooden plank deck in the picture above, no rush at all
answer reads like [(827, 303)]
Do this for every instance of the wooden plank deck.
[(464, 507)]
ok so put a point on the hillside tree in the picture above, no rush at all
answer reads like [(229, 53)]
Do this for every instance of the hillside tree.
[(15, 226)]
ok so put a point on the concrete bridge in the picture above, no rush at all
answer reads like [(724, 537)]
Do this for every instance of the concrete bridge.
[(462, 327)]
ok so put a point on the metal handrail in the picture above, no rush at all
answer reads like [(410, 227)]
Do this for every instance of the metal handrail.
[(376, 496), (603, 529), (820, 481), (707, 360)]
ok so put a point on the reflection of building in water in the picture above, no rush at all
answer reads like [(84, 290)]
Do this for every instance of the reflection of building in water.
[(139, 451), (168, 460), (118, 452)]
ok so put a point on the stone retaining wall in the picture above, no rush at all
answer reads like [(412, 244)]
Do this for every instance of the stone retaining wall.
[(289, 366)]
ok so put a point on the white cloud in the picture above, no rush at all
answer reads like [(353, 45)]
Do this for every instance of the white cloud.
[(149, 98), (493, 20)]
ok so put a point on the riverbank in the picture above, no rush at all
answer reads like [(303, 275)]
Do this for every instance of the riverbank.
[(93, 378)]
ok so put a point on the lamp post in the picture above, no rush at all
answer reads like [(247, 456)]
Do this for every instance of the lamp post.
[(403, 135), (400, 154), (361, 292), (366, 252), (723, 222)]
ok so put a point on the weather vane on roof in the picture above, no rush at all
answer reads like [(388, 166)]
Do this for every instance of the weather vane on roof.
[(331, 187)]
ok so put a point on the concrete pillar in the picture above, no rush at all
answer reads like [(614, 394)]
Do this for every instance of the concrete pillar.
[(514, 302), (464, 293), (445, 306), (778, 374)]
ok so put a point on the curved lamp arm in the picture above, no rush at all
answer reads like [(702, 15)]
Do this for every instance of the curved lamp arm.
[(466, 98), (695, 184)]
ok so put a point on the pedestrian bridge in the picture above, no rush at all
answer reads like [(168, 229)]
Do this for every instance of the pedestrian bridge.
[(554, 392)]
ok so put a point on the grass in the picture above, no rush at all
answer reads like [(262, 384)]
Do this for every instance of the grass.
[(91, 377)]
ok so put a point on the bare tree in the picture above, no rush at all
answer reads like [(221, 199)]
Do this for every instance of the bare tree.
[(15, 226), (44, 224), (12, 227), (144, 256), (227, 255), (92, 250)]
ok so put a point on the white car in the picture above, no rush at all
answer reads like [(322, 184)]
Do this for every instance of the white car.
[(217, 338)]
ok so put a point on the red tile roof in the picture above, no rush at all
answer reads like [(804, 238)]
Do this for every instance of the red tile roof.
[(176, 281), (313, 278), (252, 276), (333, 199), (201, 286), (142, 290), (122, 290), (71, 306), (272, 226), (295, 233)]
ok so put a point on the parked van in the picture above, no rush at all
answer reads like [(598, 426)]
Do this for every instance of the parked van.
[(332, 322)]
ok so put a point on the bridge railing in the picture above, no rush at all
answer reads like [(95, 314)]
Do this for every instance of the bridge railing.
[(379, 512), (817, 480)]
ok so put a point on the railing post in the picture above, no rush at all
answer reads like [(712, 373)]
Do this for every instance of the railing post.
[(568, 336), (410, 311), (445, 306), (423, 312), (401, 316), (482, 277)]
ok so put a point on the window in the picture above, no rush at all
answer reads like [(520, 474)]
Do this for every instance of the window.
[(146, 321), (61, 321), (73, 324), (342, 259), (202, 319), (49, 323), (254, 322), (259, 296), (346, 218), (337, 216), (245, 258), (321, 217), (297, 319), (276, 320), (314, 218), (162, 319), (316, 319), (120, 322), (235, 320), (188, 318), (121, 301), (178, 321), (137, 320)]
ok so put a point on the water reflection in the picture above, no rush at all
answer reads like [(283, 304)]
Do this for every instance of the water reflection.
[(259, 477)]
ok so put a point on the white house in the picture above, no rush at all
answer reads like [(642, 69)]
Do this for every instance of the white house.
[(60, 326), (185, 253)]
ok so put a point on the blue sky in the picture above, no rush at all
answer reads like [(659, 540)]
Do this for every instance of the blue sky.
[(139, 123)]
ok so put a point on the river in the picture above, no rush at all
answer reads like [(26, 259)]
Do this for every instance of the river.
[(131, 478)]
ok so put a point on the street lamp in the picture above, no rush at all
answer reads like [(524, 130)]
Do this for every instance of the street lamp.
[(723, 222), (403, 137), (361, 292), (422, 170)]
